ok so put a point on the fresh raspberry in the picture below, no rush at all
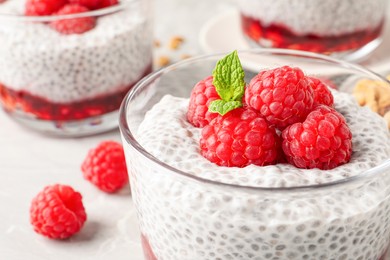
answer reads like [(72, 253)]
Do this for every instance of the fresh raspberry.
[(107, 3), (43, 7), (105, 166), (57, 212), (201, 96), (73, 25), (90, 4), (282, 95), (322, 141), (239, 138), (321, 92)]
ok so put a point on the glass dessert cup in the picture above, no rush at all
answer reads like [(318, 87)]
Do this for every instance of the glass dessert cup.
[(349, 29), (72, 84), (186, 216)]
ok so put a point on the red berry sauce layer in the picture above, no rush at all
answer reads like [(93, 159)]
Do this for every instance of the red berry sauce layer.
[(148, 252), (280, 36), (45, 109)]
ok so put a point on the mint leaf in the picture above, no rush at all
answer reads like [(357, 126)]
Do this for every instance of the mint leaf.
[(228, 78), (222, 107)]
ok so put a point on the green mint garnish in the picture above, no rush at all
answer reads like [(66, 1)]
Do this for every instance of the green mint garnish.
[(228, 79), (222, 107)]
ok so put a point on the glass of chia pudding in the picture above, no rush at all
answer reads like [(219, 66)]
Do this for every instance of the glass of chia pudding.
[(344, 29), (309, 193), (65, 66)]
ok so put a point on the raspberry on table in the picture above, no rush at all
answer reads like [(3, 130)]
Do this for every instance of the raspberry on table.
[(73, 25), (57, 212), (282, 95), (43, 7), (202, 95), (239, 138), (321, 92), (322, 141), (105, 166)]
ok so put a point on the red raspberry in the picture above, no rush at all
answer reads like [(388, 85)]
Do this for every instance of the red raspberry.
[(73, 25), (239, 138), (105, 166), (201, 96), (43, 7), (90, 4), (282, 95), (57, 212), (106, 3), (322, 141), (321, 92)]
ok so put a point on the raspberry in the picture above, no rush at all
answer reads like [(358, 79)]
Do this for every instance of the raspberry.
[(321, 92), (106, 3), (90, 4), (57, 212), (201, 96), (239, 138), (322, 141), (282, 95), (43, 7), (105, 166), (73, 25)]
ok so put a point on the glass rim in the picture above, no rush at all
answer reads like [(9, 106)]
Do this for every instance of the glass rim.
[(131, 140), (50, 18)]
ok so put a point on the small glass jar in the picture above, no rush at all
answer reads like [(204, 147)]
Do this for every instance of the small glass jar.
[(344, 29), (187, 210), (72, 84)]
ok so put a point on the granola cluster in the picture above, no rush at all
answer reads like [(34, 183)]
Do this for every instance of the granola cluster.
[(375, 95)]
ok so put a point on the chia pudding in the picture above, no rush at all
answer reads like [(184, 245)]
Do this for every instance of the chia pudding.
[(329, 26), (58, 77), (190, 208)]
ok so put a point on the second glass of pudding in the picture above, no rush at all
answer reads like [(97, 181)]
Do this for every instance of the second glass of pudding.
[(190, 208), (344, 29), (69, 83)]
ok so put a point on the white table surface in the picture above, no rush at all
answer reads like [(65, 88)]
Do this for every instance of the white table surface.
[(30, 161)]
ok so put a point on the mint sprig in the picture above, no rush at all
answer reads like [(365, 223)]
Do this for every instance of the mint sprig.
[(228, 79), (222, 107)]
